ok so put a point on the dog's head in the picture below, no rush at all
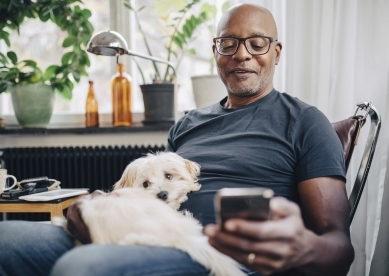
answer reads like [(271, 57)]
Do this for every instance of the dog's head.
[(165, 174)]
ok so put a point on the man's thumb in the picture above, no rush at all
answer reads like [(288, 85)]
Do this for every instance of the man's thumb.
[(282, 208)]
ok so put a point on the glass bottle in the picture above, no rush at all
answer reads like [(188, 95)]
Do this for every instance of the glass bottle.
[(121, 97), (92, 110)]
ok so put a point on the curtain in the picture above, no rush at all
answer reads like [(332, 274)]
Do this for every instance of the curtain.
[(336, 54)]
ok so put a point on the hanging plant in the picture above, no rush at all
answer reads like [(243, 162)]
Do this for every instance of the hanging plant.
[(68, 17)]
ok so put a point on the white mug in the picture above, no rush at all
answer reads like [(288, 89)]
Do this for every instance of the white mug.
[(3, 180)]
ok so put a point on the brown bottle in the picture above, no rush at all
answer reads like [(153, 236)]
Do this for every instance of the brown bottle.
[(92, 110), (121, 98)]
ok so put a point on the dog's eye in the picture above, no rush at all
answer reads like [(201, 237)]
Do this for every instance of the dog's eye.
[(168, 176), (145, 184)]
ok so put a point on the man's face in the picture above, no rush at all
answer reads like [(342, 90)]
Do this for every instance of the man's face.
[(243, 74)]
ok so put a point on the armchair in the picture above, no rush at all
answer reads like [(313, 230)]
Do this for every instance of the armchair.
[(348, 131)]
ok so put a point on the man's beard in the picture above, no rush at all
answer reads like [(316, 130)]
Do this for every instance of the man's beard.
[(246, 90)]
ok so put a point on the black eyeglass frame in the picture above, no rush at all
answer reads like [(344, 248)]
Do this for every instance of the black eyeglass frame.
[(240, 40)]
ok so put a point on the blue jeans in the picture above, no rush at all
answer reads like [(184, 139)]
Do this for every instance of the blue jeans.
[(30, 248)]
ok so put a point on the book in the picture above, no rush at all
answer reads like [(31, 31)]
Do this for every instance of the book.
[(56, 194)]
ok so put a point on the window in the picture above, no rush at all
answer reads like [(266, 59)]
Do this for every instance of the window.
[(42, 42)]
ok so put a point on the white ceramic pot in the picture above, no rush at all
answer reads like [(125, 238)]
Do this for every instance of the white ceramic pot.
[(208, 90)]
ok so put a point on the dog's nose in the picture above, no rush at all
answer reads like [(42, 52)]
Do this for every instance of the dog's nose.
[(162, 195)]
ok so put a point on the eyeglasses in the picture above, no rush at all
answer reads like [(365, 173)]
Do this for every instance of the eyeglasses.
[(255, 45)]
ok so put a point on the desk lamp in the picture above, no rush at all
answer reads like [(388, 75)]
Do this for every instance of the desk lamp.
[(111, 43)]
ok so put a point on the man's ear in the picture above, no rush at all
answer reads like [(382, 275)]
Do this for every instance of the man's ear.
[(278, 49), (213, 48)]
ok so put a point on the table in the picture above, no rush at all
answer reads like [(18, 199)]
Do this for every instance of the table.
[(54, 207)]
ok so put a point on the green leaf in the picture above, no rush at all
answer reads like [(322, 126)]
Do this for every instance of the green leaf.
[(69, 84), (66, 92), (44, 16), (225, 6), (128, 6), (29, 63), (191, 51), (178, 42), (89, 27), (12, 56), (50, 71), (86, 13), (187, 30), (202, 18), (5, 37), (3, 86), (181, 37), (192, 21), (76, 76), (87, 61), (66, 57), (69, 41), (165, 7), (210, 10), (3, 59)]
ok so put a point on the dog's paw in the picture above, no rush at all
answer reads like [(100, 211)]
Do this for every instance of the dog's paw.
[(187, 213)]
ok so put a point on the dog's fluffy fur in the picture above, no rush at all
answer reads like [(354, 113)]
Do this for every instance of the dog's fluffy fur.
[(134, 216), (166, 175), (133, 213)]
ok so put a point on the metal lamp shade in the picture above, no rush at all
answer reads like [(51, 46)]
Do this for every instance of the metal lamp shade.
[(107, 43)]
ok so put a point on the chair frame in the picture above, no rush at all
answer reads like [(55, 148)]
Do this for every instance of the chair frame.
[(368, 153)]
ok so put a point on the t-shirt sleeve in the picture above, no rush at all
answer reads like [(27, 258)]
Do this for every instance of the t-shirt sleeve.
[(318, 149), (173, 132), (170, 139)]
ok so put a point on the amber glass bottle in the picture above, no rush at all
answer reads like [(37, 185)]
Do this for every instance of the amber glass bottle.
[(92, 110), (121, 98)]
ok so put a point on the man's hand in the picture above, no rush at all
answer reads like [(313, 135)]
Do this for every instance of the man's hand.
[(75, 223), (268, 246)]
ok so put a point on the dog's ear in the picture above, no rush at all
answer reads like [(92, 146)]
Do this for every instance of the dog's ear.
[(129, 175), (194, 171), (193, 168)]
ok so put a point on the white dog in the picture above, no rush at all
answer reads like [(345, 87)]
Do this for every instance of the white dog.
[(133, 213), (164, 174), (134, 216)]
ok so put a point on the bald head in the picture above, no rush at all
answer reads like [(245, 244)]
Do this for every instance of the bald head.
[(249, 12)]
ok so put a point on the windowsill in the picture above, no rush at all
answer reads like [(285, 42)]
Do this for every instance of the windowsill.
[(58, 126), (63, 129)]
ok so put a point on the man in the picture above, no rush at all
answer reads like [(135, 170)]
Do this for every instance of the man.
[(281, 142), (255, 137)]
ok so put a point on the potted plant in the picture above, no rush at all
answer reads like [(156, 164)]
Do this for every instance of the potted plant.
[(32, 88), (208, 88), (181, 27)]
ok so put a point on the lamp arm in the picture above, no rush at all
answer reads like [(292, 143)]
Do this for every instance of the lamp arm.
[(170, 64)]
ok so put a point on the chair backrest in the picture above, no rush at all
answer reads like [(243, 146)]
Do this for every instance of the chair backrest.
[(348, 131)]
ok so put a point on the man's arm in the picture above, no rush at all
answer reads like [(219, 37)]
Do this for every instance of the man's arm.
[(326, 212), (321, 246)]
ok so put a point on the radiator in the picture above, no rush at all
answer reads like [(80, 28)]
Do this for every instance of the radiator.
[(76, 167)]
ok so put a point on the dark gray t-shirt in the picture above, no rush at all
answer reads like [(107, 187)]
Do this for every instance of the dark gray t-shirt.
[(275, 142)]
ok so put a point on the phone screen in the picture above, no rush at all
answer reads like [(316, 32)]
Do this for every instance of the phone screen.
[(248, 203)]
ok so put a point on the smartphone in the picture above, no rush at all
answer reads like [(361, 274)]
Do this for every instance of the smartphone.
[(246, 203)]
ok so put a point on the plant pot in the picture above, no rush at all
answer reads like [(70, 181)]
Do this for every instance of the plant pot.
[(158, 99), (33, 104), (208, 90)]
